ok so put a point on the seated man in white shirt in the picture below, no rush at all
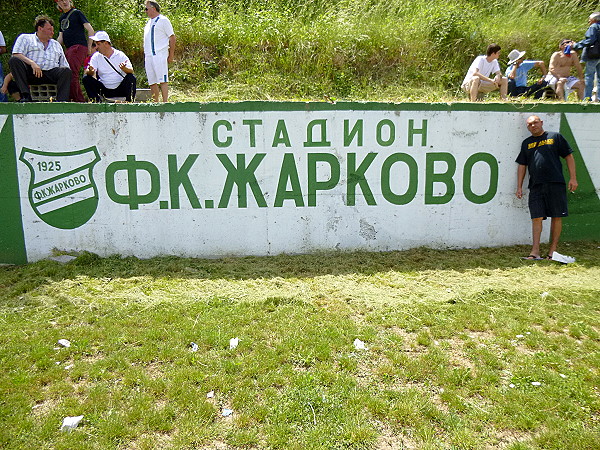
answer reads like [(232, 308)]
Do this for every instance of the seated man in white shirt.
[(109, 73), (39, 59), (478, 78)]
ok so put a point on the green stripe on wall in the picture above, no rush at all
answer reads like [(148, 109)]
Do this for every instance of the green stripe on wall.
[(12, 241), (584, 205)]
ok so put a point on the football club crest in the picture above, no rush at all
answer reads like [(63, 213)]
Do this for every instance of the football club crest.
[(62, 190)]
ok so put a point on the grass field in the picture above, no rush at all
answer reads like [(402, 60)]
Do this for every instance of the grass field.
[(465, 349)]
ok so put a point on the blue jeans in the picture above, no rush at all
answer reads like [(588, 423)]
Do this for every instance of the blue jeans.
[(592, 67)]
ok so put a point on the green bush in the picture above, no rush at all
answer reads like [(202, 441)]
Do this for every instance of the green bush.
[(304, 49)]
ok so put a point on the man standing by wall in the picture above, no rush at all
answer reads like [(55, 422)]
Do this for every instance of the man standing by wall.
[(39, 59), (592, 62), (540, 154), (73, 26), (159, 50)]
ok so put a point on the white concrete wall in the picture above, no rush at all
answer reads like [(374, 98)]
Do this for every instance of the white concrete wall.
[(121, 144)]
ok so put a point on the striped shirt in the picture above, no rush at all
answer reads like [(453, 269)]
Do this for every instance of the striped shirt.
[(47, 58), (156, 35)]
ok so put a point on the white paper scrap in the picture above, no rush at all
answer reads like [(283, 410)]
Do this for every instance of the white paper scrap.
[(359, 345), (70, 423), (64, 342)]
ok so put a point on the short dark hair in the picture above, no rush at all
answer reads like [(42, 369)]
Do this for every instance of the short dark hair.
[(156, 6), (562, 41), (493, 48), (41, 20)]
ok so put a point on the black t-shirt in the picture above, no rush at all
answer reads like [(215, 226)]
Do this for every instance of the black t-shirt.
[(541, 154), (72, 28)]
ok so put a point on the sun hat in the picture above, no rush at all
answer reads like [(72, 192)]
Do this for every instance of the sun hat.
[(515, 55)]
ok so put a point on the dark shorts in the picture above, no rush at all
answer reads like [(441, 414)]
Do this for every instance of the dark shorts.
[(548, 200)]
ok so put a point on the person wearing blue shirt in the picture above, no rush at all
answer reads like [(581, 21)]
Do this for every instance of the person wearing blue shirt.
[(592, 65), (517, 71)]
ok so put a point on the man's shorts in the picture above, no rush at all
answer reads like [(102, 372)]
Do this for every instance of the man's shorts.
[(157, 68), (552, 80), (484, 86), (548, 200)]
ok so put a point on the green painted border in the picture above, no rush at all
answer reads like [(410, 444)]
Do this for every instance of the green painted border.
[(12, 240), (256, 106)]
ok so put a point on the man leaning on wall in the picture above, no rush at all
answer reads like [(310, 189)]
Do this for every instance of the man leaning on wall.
[(159, 50), (541, 155), (591, 60)]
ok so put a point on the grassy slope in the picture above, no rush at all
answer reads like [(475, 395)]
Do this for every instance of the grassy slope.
[(349, 49), (455, 340)]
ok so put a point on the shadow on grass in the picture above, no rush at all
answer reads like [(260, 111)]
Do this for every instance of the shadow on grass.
[(16, 280)]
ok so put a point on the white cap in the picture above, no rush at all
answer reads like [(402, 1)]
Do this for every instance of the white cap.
[(100, 36)]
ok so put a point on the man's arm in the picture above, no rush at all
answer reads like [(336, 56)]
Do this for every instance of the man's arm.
[(2, 49), (542, 66), (90, 32), (513, 72), (126, 66), (37, 72), (171, 56), (553, 65), (521, 170), (572, 175), (577, 65), (60, 38)]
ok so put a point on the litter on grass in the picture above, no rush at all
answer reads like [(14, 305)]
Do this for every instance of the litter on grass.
[(70, 423), (227, 412), (544, 294), (562, 258), (359, 345), (210, 394), (511, 385), (233, 343), (536, 383), (64, 342), (194, 346), (519, 336)]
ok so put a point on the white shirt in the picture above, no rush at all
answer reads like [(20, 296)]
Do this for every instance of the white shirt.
[(2, 41), (156, 35), (47, 58), (485, 68), (105, 73)]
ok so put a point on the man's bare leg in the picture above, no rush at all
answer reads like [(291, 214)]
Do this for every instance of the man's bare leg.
[(164, 89), (155, 90), (580, 88), (560, 89), (475, 81), (504, 88), (536, 231), (555, 230)]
